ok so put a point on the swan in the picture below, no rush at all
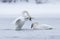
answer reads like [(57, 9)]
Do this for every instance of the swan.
[(20, 21), (36, 25)]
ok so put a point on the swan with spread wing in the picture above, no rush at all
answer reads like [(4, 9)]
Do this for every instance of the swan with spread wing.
[(20, 21)]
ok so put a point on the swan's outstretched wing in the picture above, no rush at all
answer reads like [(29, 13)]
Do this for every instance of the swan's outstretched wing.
[(19, 23)]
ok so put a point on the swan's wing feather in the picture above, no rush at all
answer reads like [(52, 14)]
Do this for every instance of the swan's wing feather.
[(19, 25)]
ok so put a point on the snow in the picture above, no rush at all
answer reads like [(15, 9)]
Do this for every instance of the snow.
[(47, 13)]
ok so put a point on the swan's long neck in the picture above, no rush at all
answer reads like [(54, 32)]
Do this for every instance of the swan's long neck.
[(26, 15)]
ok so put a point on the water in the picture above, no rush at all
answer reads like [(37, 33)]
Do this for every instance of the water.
[(7, 32), (44, 13)]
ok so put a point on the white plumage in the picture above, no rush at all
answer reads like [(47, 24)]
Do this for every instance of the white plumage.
[(36, 25), (20, 21)]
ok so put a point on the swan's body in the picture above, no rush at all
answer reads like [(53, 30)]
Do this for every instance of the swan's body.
[(19, 22), (41, 26)]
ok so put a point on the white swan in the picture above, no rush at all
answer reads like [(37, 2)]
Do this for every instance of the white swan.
[(36, 25), (19, 22)]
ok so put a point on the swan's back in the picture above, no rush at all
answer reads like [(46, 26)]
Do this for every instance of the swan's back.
[(18, 22), (41, 26)]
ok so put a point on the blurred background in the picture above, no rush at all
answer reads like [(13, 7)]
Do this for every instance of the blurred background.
[(39, 8)]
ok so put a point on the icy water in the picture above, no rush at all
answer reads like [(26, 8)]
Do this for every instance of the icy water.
[(7, 31)]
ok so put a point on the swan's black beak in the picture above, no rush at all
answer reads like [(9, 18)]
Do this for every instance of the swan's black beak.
[(31, 25), (30, 19)]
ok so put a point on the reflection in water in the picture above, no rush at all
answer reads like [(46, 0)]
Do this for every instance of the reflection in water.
[(26, 32), (23, 29)]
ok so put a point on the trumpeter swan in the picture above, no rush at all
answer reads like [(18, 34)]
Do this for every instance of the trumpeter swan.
[(19, 22), (36, 25)]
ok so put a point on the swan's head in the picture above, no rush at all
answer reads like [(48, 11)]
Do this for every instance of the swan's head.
[(27, 16), (35, 24)]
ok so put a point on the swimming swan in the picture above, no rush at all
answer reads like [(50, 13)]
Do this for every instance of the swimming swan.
[(36, 25), (19, 22)]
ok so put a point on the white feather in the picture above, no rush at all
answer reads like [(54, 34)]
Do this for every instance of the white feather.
[(36, 25), (20, 21)]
